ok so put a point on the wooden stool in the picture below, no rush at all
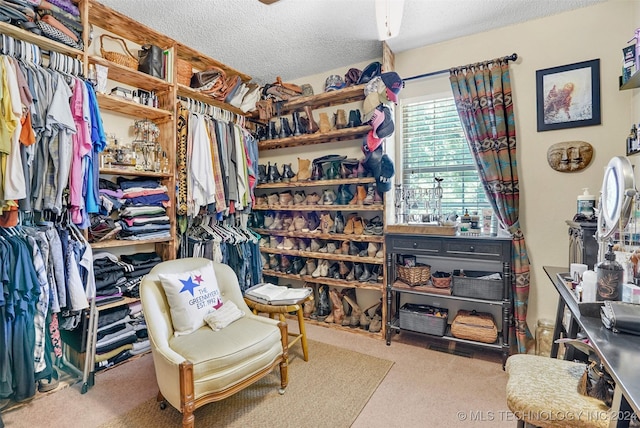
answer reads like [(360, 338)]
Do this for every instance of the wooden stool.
[(543, 392), (272, 310)]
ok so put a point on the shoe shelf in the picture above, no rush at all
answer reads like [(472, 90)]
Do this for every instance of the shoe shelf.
[(377, 286), (324, 256), (326, 99), (131, 108), (319, 207), (316, 183), (317, 235), (333, 136), (357, 330), (136, 78)]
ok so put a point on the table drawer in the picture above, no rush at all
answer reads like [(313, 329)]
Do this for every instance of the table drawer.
[(482, 250), (415, 246)]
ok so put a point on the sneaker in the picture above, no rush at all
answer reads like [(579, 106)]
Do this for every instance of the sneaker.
[(328, 197), (300, 223), (299, 198), (285, 198), (273, 199), (268, 220), (313, 198), (264, 241)]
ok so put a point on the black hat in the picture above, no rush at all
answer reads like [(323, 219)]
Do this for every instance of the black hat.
[(383, 179), (370, 71)]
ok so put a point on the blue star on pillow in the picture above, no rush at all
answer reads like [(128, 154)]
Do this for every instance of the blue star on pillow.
[(189, 285)]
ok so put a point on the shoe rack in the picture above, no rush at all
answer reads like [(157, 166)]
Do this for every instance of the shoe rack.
[(300, 240)]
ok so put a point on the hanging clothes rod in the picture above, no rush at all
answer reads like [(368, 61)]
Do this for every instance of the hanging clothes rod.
[(511, 57)]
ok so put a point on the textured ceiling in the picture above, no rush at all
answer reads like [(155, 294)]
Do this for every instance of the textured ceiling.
[(298, 38)]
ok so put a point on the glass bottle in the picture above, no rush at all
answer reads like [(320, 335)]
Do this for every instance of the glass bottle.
[(544, 337), (610, 278)]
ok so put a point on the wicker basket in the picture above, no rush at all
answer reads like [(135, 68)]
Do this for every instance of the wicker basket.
[(415, 275), (476, 326), (441, 279), (128, 60), (184, 71)]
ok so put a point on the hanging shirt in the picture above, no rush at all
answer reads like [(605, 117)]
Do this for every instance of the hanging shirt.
[(201, 171), (14, 183)]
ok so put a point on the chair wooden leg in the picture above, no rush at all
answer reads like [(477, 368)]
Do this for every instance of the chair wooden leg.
[(284, 364), (187, 394), (303, 333)]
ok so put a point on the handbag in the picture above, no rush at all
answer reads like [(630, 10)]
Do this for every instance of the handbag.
[(621, 317), (151, 60)]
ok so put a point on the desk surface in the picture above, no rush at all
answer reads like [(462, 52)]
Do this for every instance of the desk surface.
[(619, 351)]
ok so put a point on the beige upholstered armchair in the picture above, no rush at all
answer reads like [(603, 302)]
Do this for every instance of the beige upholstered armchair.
[(206, 365)]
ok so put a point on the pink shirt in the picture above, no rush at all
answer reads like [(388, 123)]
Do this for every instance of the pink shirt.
[(81, 147)]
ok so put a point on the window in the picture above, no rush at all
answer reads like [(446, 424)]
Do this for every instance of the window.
[(434, 145)]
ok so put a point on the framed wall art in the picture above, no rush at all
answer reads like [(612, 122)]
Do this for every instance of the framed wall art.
[(568, 96)]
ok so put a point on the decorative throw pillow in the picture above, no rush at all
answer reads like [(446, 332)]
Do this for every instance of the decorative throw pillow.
[(191, 296), (223, 316)]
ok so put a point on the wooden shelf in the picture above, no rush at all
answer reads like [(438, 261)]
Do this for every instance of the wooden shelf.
[(316, 183), (124, 301), (185, 91), (118, 23), (120, 73), (318, 235), (43, 42), (132, 172), (115, 243), (200, 62), (324, 99), (324, 256), (130, 108), (319, 207), (377, 286), (336, 135)]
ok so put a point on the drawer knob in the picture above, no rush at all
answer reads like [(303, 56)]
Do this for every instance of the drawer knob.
[(472, 248), (415, 245)]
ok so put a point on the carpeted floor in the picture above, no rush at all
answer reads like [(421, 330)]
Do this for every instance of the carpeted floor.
[(423, 388), (311, 399)]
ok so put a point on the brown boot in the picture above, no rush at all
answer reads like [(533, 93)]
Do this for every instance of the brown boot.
[(356, 312), (337, 310), (325, 125), (326, 223), (358, 198), (340, 119), (312, 127), (304, 170)]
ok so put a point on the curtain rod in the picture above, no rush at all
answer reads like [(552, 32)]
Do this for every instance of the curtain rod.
[(511, 57)]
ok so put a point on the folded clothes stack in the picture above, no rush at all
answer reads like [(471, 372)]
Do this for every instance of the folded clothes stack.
[(58, 20)]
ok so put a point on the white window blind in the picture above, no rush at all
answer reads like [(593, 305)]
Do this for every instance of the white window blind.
[(434, 145)]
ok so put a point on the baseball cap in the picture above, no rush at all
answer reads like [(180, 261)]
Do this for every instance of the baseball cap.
[(369, 106), (394, 84), (370, 142), (370, 71), (383, 180), (333, 83), (384, 126)]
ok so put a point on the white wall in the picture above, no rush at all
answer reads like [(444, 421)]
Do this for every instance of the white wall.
[(548, 198)]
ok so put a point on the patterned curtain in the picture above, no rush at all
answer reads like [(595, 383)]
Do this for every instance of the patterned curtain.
[(484, 101)]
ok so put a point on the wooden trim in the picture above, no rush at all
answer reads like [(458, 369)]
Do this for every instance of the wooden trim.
[(377, 286), (388, 58), (187, 394), (333, 136), (358, 207)]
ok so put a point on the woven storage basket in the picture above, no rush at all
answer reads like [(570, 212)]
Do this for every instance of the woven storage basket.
[(128, 59), (415, 275), (184, 71), (472, 325), (441, 279)]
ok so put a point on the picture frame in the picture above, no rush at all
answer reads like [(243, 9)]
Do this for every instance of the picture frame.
[(568, 96)]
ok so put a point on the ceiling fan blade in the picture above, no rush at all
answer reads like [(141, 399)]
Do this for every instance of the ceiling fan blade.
[(267, 2)]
